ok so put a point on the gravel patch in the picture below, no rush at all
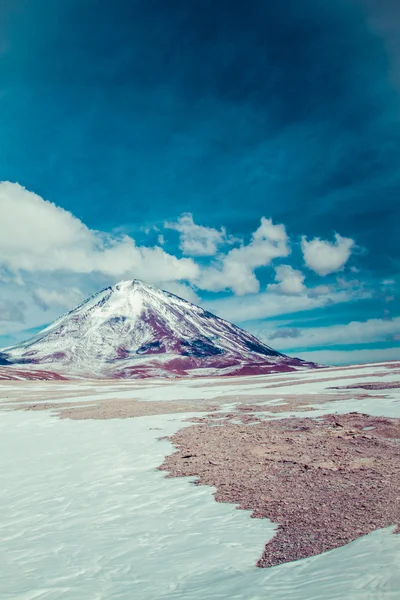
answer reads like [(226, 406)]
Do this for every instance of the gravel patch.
[(325, 482)]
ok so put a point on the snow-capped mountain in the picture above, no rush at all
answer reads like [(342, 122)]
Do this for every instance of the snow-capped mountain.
[(138, 330)]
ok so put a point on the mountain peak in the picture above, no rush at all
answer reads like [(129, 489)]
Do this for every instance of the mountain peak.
[(128, 285), (137, 287), (135, 329)]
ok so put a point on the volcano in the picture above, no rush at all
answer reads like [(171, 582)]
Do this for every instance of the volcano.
[(134, 330)]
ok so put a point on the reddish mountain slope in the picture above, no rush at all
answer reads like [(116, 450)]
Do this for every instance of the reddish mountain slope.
[(137, 330)]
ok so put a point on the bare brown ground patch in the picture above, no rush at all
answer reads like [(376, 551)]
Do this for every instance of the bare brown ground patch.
[(373, 385), (286, 382), (111, 409), (302, 402), (269, 404), (326, 482), (391, 364), (245, 409)]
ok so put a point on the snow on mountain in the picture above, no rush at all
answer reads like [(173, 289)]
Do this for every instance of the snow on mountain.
[(138, 330)]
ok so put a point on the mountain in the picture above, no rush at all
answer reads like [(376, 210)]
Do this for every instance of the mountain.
[(133, 329)]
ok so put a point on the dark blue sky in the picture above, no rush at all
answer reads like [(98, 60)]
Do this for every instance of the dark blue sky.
[(130, 113)]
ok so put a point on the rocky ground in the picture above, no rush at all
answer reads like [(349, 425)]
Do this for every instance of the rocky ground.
[(325, 481)]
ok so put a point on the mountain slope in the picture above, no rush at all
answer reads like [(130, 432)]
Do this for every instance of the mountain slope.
[(136, 330)]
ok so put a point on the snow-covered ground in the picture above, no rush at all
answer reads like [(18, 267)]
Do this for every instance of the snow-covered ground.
[(85, 515)]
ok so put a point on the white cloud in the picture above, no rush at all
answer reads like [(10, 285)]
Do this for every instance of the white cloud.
[(182, 290), (49, 260), (268, 304), (235, 270), (325, 257), (356, 332), (66, 298), (196, 240), (290, 281), (38, 236), (348, 357), (321, 290), (388, 283)]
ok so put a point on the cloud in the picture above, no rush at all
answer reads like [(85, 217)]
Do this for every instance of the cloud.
[(182, 290), (196, 240), (290, 281), (38, 236), (51, 260), (325, 257), (348, 357), (320, 290), (267, 304), (12, 311), (356, 332), (235, 270), (285, 333), (388, 283), (384, 16), (66, 298)]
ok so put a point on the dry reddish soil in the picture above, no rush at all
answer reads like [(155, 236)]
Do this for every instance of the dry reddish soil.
[(115, 408), (324, 481), (278, 383), (8, 373), (109, 409), (374, 385)]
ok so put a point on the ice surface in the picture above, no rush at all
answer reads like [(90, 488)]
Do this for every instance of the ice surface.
[(85, 515)]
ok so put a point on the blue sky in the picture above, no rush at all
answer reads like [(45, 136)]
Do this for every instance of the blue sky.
[(242, 154)]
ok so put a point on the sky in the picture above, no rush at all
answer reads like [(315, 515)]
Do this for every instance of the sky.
[(243, 155)]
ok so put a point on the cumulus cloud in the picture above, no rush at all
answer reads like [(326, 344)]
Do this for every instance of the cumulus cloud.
[(290, 281), (235, 270), (197, 240), (52, 260), (324, 257), (37, 235)]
